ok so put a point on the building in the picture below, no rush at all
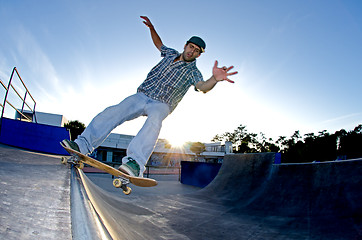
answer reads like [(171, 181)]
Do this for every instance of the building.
[(113, 149), (43, 118)]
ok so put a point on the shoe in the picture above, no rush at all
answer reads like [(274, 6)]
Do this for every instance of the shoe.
[(131, 168), (71, 145)]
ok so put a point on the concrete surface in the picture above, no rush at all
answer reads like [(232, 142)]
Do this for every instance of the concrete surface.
[(86, 224), (34, 196), (166, 185), (251, 198)]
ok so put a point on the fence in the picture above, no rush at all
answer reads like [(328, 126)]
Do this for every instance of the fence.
[(23, 99)]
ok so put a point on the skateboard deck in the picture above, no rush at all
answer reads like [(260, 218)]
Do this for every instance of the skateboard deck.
[(122, 180)]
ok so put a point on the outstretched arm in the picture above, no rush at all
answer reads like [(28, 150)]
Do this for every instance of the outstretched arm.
[(218, 74), (155, 38)]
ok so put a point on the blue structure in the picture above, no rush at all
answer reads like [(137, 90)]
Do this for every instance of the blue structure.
[(198, 174), (33, 136), (278, 158)]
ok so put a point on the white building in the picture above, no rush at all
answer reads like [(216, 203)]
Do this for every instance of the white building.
[(43, 118), (113, 149)]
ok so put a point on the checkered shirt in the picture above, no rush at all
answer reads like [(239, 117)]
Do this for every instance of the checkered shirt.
[(169, 81)]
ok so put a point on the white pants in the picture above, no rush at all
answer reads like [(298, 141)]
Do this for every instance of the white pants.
[(142, 145)]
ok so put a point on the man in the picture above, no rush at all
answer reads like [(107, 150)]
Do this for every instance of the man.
[(156, 98)]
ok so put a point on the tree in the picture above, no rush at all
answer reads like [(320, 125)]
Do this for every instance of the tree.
[(321, 147), (197, 148), (350, 143), (247, 142), (75, 127), (235, 137), (280, 142)]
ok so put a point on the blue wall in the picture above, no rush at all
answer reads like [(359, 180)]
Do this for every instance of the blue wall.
[(33, 136), (198, 174)]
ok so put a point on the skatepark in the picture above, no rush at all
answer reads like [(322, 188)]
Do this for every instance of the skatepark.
[(250, 198), (255, 107)]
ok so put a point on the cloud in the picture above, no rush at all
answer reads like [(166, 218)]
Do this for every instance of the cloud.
[(342, 119), (32, 53), (35, 65)]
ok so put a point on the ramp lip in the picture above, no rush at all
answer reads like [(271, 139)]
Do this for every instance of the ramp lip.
[(86, 223), (324, 162)]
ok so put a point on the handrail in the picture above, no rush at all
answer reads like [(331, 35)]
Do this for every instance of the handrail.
[(23, 99)]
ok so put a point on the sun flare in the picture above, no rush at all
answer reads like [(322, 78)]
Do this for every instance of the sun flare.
[(176, 142)]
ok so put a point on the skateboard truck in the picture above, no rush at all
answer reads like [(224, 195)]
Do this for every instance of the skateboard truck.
[(73, 160), (121, 182)]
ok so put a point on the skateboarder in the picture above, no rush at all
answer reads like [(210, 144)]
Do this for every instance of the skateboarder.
[(156, 98)]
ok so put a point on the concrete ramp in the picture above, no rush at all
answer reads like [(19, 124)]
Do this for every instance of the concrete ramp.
[(251, 198), (252, 181), (126, 219), (34, 196)]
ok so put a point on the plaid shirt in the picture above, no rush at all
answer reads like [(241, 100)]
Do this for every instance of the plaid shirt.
[(169, 81)]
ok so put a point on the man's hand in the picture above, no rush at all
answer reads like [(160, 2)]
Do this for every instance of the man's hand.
[(155, 38), (221, 74), (218, 74), (147, 21)]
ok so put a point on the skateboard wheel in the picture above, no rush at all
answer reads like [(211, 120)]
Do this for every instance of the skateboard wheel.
[(117, 183), (64, 160), (127, 190), (80, 165)]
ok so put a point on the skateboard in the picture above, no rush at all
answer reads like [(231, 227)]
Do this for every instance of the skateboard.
[(122, 180)]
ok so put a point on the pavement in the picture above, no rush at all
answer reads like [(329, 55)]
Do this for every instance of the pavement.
[(34, 196), (166, 185), (250, 198)]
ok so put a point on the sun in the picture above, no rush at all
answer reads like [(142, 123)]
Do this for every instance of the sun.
[(176, 142)]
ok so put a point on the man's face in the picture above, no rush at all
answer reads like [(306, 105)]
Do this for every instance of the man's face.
[(191, 52)]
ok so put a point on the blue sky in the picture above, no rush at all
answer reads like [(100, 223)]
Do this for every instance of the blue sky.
[(299, 62)]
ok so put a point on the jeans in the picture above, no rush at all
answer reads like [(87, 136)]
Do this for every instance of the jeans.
[(142, 145)]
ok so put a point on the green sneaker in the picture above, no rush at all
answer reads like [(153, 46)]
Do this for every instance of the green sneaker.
[(131, 168), (71, 145)]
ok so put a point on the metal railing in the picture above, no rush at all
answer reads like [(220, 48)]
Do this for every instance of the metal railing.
[(23, 99)]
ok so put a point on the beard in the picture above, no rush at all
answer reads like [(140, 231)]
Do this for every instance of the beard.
[(186, 58)]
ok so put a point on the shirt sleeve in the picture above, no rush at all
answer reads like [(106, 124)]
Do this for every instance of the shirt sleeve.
[(165, 51), (196, 77)]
